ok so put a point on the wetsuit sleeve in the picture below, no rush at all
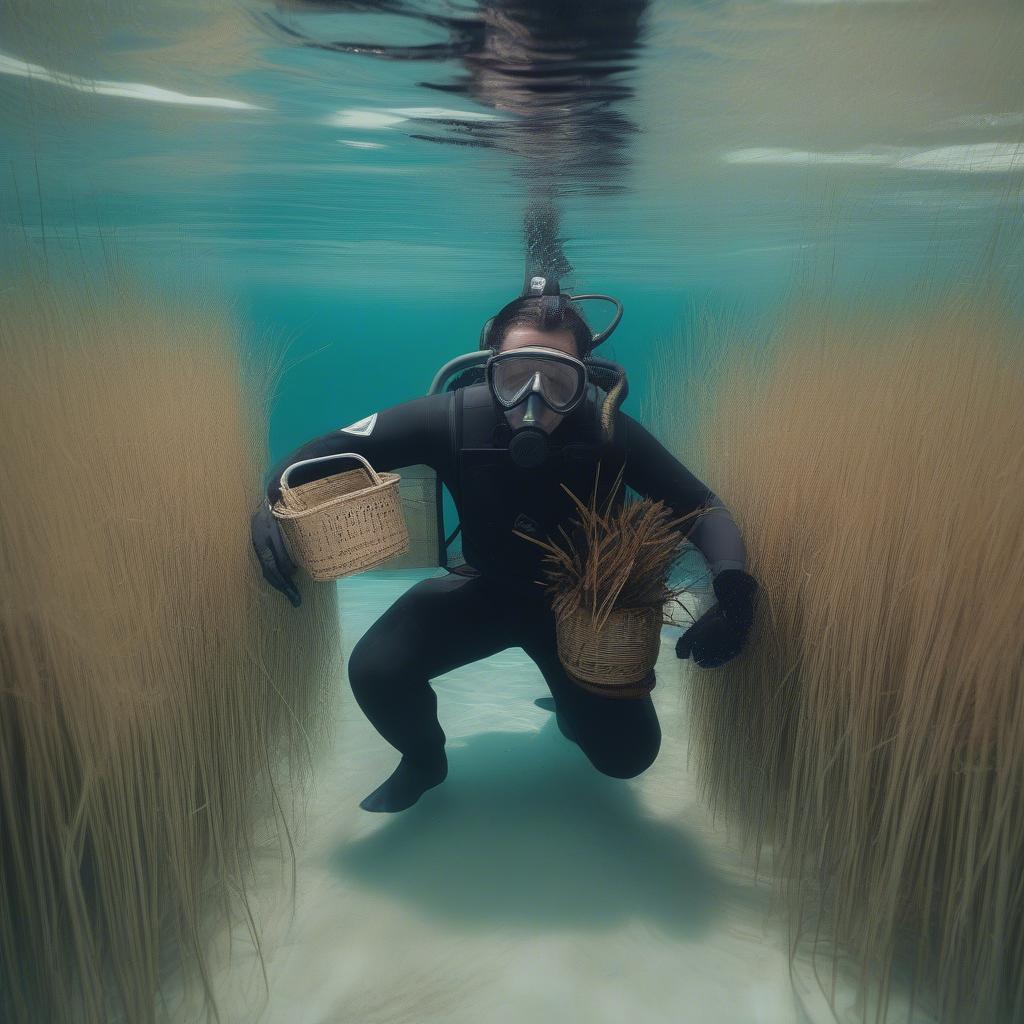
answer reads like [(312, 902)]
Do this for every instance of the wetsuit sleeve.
[(654, 472), (410, 434)]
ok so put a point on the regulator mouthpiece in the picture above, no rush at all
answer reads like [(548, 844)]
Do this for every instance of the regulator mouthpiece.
[(528, 447)]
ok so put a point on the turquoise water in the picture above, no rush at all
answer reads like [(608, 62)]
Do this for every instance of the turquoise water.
[(712, 155), (369, 212)]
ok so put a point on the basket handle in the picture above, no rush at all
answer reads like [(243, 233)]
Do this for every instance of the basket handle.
[(327, 458)]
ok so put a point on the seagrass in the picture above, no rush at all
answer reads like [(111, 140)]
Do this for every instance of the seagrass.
[(607, 578), (157, 699), (871, 741), (343, 524)]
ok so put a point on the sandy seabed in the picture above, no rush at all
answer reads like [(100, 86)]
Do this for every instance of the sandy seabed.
[(527, 887)]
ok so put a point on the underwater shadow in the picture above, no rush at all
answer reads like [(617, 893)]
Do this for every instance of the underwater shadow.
[(525, 832)]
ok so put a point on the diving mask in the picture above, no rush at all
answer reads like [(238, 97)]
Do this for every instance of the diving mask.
[(554, 378), (535, 387)]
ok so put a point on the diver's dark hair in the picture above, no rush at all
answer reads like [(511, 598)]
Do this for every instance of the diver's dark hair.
[(528, 312)]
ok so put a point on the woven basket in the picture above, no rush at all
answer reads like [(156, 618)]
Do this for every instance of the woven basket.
[(342, 524), (614, 658)]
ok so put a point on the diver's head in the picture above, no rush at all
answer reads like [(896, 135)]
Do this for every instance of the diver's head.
[(537, 372)]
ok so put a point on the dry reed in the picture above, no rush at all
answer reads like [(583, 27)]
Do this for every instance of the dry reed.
[(617, 554), (872, 737), (152, 685)]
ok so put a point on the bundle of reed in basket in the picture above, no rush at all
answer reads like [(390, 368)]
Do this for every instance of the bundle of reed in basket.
[(608, 581)]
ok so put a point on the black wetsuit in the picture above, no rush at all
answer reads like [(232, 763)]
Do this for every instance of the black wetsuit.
[(445, 622)]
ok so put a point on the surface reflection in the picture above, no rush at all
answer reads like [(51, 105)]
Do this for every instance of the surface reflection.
[(558, 70)]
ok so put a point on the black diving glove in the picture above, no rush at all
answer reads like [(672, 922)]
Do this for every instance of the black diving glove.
[(720, 633), (268, 543)]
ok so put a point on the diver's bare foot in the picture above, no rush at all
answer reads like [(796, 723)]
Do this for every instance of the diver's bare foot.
[(406, 784)]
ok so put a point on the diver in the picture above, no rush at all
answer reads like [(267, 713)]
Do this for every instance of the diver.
[(546, 414)]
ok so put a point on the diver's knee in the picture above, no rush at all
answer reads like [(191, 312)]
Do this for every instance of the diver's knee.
[(627, 762), (367, 669), (377, 668)]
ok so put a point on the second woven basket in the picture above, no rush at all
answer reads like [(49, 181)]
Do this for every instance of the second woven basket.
[(342, 524)]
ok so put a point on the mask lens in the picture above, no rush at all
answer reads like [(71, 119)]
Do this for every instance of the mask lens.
[(511, 378), (560, 381)]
